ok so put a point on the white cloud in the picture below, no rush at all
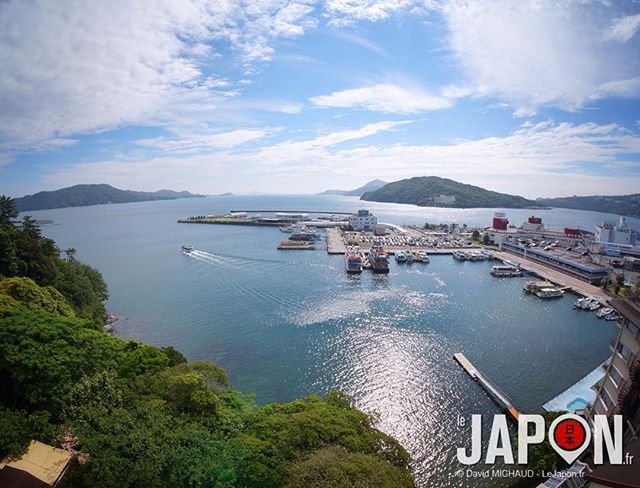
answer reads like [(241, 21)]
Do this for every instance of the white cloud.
[(539, 53), (544, 159), (384, 97), (192, 142), (361, 41), (346, 11), (70, 68), (624, 28)]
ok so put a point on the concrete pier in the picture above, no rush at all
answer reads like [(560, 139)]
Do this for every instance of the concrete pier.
[(498, 395), (335, 242)]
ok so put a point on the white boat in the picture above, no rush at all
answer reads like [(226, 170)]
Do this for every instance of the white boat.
[(603, 312), (409, 256), (424, 258), (505, 271), (594, 307), (459, 255), (578, 303), (588, 303), (612, 316), (401, 257), (487, 254)]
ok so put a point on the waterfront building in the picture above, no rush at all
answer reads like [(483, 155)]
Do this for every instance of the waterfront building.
[(608, 232), (533, 224), (363, 220), (618, 393), (500, 221), (291, 216), (568, 262)]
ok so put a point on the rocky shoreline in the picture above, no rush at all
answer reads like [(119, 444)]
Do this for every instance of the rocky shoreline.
[(110, 322)]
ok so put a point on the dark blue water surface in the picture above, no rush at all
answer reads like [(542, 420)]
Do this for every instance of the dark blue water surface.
[(288, 323)]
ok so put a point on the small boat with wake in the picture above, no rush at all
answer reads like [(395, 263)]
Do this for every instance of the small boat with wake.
[(186, 249)]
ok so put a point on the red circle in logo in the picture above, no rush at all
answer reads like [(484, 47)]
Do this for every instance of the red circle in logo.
[(569, 434)]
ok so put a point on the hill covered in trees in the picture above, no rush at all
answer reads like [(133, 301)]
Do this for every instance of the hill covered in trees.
[(628, 205), (136, 415), (425, 190), (81, 195)]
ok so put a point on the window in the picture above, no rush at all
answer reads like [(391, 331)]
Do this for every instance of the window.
[(632, 328), (623, 350), (615, 375), (606, 398)]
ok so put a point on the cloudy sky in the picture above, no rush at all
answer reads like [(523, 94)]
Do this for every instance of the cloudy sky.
[(538, 98)]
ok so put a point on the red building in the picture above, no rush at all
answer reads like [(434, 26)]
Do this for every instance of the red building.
[(535, 220), (573, 233), (500, 221)]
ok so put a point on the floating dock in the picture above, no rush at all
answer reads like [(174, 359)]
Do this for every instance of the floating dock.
[(498, 395)]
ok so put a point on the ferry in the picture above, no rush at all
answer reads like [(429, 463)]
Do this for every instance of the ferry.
[(186, 249), (378, 258), (549, 293), (293, 245), (505, 271), (534, 286), (353, 260), (401, 257)]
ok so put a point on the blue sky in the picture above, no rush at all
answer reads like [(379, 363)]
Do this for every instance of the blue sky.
[(536, 98)]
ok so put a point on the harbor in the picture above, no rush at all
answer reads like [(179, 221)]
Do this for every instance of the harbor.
[(408, 243), (292, 323)]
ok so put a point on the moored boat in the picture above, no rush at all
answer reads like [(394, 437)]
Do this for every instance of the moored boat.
[(459, 255), (296, 245), (505, 271), (401, 257), (353, 260), (378, 258), (534, 286), (603, 312), (549, 293)]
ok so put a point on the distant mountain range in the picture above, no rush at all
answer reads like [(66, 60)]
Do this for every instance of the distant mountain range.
[(628, 205), (358, 192), (82, 195), (432, 191)]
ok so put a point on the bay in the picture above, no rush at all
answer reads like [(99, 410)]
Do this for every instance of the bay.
[(285, 324)]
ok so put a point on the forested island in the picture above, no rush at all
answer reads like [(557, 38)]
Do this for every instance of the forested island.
[(433, 191), (82, 195), (628, 205), (135, 415)]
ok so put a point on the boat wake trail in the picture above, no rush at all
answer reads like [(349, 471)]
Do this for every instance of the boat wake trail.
[(233, 263)]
